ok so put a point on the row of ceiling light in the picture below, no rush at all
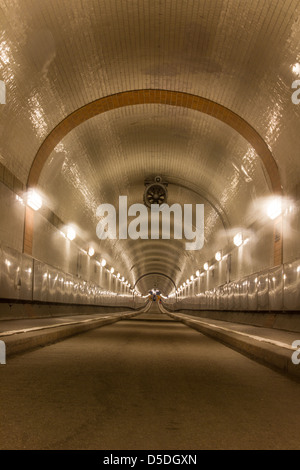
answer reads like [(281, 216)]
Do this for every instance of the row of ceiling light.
[(102, 263), (274, 210), (238, 240), (34, 200)]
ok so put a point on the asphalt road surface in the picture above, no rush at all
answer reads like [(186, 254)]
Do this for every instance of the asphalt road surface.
[(146, 383)]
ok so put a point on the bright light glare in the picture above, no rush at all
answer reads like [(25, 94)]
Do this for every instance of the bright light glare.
[(103, 262), (296, 69), (238, 239), (205, 266), (218, 256), (19, 199), (71, 234), (274, 208), (123, 279), (197, 273), (192, 277), (118, 275), (112, 270), (91, 251), (34, 200)]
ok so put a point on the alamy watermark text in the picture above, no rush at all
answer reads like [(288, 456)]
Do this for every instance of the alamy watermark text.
[(138, 228)]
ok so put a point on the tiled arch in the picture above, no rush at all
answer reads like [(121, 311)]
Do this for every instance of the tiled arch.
[(150, 96)]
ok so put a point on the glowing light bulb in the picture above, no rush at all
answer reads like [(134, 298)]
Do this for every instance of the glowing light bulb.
[(218, 256), (71, 234), (91, 251), (296, 69), (205, 266), (19, 199), (103, 262), (274, 208), (112, 270), (34, 200), (238, 239)]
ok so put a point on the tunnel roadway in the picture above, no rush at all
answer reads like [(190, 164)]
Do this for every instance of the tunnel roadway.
[(145, 383)]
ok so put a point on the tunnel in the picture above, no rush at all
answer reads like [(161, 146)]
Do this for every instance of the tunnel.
[(150, 225)]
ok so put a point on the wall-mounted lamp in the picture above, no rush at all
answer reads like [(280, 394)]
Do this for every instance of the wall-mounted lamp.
[(91, 251), (238, 239), (34, 200), (274, 208), (71, 234)]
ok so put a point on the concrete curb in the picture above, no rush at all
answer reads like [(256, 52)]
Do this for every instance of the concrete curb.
[(287, 321), (23, 342), (265, 353)]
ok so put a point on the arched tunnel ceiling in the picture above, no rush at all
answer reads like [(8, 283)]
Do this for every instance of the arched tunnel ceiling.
[(111, 154), (57, 56)]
